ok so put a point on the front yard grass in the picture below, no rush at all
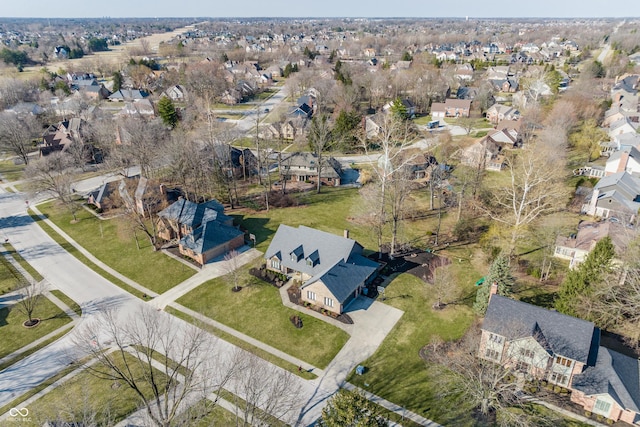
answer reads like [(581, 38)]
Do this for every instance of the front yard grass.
[(65, 299), (15, 336), (257, 311), (83, 259), (151, 269), (10, 171), (9, 276), (16, 255), (110, 401), (396, 371)]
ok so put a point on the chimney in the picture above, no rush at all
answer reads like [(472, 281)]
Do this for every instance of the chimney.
[(345, 234), (624, 159), (493, 290)]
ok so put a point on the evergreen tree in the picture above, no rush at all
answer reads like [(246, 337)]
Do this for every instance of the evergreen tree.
[(578, 282), (351, 409), (167, 112), (117, 81), (499, 273), (398, 109)]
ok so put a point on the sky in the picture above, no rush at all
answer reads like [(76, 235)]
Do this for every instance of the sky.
[(322, 8)]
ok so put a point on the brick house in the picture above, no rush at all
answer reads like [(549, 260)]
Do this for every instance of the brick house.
[(331, 269), (203, 230), (565, 351)]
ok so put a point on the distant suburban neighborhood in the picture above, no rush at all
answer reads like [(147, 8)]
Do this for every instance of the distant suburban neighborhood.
[(331, 222)]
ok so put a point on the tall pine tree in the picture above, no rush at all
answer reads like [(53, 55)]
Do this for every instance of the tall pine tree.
[(499, 273), (167, 112), (578, 282)]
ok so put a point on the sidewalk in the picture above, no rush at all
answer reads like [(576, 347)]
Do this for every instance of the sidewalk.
[(254, 342), (394, 408), (92, 258), (208, 272)]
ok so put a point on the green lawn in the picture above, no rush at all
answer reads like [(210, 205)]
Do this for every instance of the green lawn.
[(83, 259), (32, 271), (116, 248), (396, 371), (244, 345), (10, 171), (257, 311), (15, 336), (71, 303), (333, 211), (9, 276), (110, 401)]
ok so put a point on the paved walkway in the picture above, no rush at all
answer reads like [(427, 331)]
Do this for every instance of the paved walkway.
[(209, 271), (92, 258), (13, 297)]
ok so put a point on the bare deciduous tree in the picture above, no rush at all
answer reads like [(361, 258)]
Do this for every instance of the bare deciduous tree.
[(16, 135), (32, 293), (174, 364), (53, 174), (319, 140), (232, 269), (532, 191), (267, 393)]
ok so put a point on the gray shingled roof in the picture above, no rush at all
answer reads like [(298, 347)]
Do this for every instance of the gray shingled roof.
[(335, 260), (208, 236), (614, 374), (194, 214), (331, 248), (563, 335)]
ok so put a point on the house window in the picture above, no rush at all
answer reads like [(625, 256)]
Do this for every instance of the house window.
[(522, 366), (563, 361), (275, 263), (526, 352), (602, 407), (492, 354), (309, 262), (328, 302), (495, 338), (311, 295), (559, 378)]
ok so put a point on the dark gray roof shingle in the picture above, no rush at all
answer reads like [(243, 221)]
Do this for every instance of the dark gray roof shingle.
[(563, 335), (614, 374)]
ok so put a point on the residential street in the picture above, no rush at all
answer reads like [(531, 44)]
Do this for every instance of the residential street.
[(93, 293)]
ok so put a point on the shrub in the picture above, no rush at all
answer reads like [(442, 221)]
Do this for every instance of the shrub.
[(609, 421), (587, 414)]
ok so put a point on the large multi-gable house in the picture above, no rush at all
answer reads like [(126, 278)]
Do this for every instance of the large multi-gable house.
[(616, 195), (303, 167), (483, 154), (331, 268), (203, 230), (499, 112), (565, 351)]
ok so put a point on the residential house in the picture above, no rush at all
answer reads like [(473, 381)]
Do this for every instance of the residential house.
[(627, 160), (202, 230), (331, 269), (499, 112), (504, 138), (616, 195), (176, 93), (371, 127), (127, 95), (625, 125), (537, 342), (577, 246), (237, 162), (303, 167), (438, 110), (483, 154), (409, 106), (138, 108), (564, 351), (60, 137), (457, 107)]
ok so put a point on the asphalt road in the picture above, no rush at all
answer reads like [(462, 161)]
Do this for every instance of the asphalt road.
[(94, 293)]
